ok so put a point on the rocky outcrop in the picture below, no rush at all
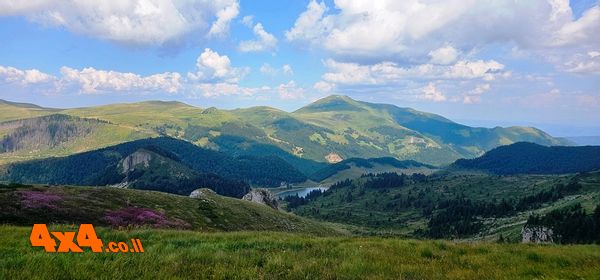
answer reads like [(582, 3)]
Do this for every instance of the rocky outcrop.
[(202, 193), (262, 196), (333, 158), (130, 162), (537, 234)]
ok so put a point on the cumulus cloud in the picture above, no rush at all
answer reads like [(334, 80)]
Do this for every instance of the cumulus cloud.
[(323, 86), (212, 90), (583, 31), (267, 69), (24, 77), (290, 91), (264, 41), (287, 69), (90, 80), (443, 55), (474, 96), (214, 67), (417, 32), (583, 63), (389, 72), (248, 21), (430, 92), (130, 22)]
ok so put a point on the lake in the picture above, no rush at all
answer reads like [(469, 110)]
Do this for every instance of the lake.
[(302, 192)]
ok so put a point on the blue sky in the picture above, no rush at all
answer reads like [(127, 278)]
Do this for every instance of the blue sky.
[(497, 62)]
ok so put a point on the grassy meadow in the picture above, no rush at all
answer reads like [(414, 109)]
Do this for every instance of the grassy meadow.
[(259, 255)]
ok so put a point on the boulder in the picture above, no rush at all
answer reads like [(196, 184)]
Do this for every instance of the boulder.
[(203, 193), (537, 234), (262, 196)]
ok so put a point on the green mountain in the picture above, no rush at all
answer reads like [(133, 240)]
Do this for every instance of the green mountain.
[(530, 158), (327, 131), (163, 163), (105, 206), (450, 204), (356, 167)]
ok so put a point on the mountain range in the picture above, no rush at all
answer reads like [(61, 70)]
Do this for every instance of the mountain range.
[(327, 131)]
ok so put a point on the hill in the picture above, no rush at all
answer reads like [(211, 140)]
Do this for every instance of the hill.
[(14, 110), (162, 163), (530, 158), (458, 205), (58, 135), (113, 207), (355, 167), (585, 140), (327, 131)]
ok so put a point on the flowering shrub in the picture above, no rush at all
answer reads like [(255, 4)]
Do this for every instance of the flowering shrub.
[(134, 216), (39, 199)]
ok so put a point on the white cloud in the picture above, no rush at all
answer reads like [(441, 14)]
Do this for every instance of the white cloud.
[(474, 96), (287, 69), (290, 91), (583, 31), (90, 80), (130, 22), (228, 11), (264, 41), (583, 63), (430, 92), (24, 77), (214, 67), (223, 89), (267, 69), (323, 86), (309, 25), (389, 72), (248, 21), (443, 55), (415, 31)]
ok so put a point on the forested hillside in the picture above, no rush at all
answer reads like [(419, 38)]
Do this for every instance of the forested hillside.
[(453, 204), (530, 158), (174, 163)]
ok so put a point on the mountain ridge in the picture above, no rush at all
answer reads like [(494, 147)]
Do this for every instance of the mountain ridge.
[(332, 128)]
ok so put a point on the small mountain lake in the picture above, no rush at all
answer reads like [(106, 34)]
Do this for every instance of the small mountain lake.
[(301, 192)]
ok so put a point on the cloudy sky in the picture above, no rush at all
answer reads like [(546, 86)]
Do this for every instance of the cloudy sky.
[(480, 62)]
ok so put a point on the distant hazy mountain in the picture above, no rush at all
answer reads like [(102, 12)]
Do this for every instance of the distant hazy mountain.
[(329, 130), (529, 158), (585, 140)]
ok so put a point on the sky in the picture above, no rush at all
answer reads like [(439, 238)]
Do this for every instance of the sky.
[(482, 63)]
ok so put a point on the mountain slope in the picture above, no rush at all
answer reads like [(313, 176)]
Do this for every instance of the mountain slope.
[(115, 164), (58, 135), (26, 205), (14, 110), (529, 158), (328, 130), (355, 167)]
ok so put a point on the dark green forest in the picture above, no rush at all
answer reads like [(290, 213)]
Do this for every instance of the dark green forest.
[(529, 158)]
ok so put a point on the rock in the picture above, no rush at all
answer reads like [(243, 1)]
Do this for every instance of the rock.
[(333, 158), (262, 196), (537, 234), (141, 156), (202, 193)]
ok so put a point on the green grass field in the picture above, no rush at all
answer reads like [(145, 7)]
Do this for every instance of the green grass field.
[(253, 255)]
